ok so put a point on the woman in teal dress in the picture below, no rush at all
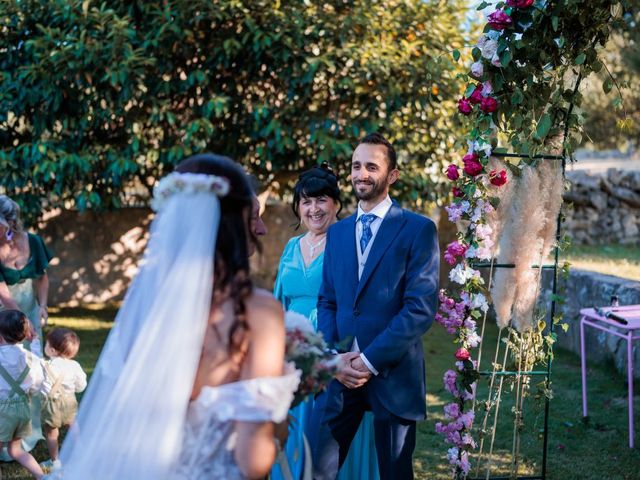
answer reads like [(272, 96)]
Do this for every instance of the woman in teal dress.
[(316, 203), (24, 285)]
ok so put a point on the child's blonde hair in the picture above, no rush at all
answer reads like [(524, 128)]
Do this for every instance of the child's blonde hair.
[(64, 341)]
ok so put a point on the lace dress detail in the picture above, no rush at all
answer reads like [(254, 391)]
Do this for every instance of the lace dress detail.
[(209, 436)]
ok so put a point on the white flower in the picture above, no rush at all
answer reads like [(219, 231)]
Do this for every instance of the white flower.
[(477, 69), (461, 274), (478, 300), (187, 183), (488, 47), (293, 321), (473, 340), (483, 231), (452, 455), (479, 145), (477, 213), (495, 60)]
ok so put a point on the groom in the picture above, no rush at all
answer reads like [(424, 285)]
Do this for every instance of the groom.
[(379, 293)]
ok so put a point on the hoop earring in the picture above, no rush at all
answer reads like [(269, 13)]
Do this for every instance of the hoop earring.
[(9, 235)]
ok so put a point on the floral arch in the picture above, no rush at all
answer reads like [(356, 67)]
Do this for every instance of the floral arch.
[(523, 92)]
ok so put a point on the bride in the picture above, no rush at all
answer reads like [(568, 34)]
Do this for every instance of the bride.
[(192, 377)]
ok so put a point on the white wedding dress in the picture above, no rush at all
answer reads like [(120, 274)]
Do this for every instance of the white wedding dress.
[(136, 420), (209, 438)]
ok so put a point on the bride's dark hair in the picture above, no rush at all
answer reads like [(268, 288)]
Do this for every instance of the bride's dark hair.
[(232, 257)]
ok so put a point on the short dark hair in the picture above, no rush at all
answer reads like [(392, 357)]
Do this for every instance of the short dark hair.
[(318, 181), (64, 341), (376, 138), (14, 326)]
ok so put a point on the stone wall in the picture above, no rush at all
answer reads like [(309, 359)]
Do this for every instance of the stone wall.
[(606, 207), (588, 289), (97, 253)]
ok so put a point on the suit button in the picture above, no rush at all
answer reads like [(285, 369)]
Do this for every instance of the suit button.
[(356, 312)]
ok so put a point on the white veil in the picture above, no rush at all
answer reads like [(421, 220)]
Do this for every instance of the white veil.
[(131, 418)]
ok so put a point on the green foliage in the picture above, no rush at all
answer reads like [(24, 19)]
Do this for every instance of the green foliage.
[(98, 97), (543, 56), (613, 120)]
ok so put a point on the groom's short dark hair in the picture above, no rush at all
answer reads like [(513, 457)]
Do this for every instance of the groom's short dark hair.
[(376, 138)]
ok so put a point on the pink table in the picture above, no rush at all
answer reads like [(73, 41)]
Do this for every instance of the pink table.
[(591, 318)]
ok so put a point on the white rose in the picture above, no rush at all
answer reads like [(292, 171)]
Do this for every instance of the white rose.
[(488, 47), (477, 69)]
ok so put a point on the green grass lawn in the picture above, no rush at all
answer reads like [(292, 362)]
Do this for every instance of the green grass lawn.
[(619, 260), (575, 451)]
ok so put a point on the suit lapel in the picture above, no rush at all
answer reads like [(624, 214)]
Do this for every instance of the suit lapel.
[(389, 229), (347, 245)]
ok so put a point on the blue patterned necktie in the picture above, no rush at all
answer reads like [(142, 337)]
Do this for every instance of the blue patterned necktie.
[(366, 221)]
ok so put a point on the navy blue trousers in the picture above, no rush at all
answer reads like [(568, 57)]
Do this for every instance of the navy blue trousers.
[(336, 416)]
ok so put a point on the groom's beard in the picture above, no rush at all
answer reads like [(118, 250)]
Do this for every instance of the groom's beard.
[(370, 189)]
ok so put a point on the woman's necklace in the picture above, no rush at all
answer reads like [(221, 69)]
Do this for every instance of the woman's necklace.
[(312, 247)]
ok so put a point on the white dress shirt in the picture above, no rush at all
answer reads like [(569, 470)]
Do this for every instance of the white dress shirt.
[(380, 211), (14, 358), (73, 378)]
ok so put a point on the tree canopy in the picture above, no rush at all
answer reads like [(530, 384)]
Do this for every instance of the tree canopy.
[(612, 103), (97, 98)]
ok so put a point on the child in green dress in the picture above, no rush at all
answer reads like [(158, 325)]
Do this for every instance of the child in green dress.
[(67, 378), (21, 375)]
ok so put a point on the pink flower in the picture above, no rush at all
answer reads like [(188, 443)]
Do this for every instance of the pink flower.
[(465, 465), (463, 354), (454, 249), (452, 173), (498, 178), (452, 411), (450, 378), (464, 106), (467, 419), (472, 165), (488, 104), (487, 89), (520, 3), (476, 95), (477, 69), (499, 20), (457, 192)]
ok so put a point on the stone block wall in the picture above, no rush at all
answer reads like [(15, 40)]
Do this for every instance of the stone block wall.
[(606, 207), (585, 289)]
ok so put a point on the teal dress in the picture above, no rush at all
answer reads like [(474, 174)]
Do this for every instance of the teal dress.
[(297, 287), (23, 291)]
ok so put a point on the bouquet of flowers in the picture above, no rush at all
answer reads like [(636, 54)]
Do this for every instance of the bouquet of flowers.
[(308, 351)]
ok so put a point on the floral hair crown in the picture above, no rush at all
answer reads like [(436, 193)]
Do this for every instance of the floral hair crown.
[(187, 183)]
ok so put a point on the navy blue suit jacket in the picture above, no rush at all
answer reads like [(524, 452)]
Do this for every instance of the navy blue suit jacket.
[(389, 308)]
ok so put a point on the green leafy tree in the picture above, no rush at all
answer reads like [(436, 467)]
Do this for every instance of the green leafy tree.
[(100, 98), (612, 101)]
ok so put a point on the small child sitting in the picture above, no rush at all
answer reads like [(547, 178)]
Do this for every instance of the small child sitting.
[(21, 375), (67, 378)]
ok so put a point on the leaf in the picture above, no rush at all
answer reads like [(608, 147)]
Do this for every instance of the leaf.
[(607, 85), (554, 23), (517, 97), (580, 59), (482, 6), (544, 125), (456, 55)]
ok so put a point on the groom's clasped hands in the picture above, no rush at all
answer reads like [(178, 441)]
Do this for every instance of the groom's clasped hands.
[(352, 372)]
